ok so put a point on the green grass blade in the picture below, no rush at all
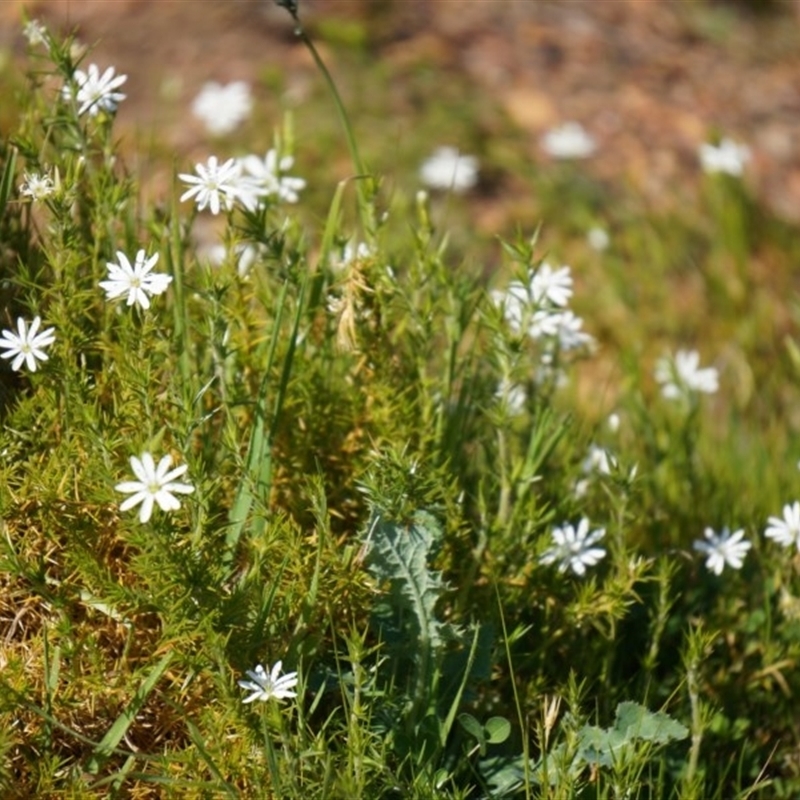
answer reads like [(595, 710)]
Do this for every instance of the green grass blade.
[(366, 184), (447, 725), (197, 741), (182, 343), (120, 727), (258, 449), (7, 181), (258, 470)]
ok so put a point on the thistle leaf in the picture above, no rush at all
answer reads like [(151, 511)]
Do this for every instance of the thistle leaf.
[(398, 556)]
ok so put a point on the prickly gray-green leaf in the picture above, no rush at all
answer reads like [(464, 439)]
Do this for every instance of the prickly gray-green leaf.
[(398, 555)]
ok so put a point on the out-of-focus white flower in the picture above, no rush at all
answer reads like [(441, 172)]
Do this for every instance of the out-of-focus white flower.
[(448, 169), (350, 253), (136, 280), (544, 324), (222, 108), (37, 187), (568, 141), (265, 176), (244, 253), (155, 484), (512, 396), (568, 331), (34, 32), (515, 303), (598, 239), (574, 548), (266, 685), (598, 459), (548, 289), (26, 345), (728, 157), (550, 285), (723, 548), (538, 308), (96, 92), (785, 531), (613, 422), (215, 185), (681, 375)]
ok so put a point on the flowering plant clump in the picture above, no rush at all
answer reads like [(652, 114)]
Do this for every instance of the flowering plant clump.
[(95, 92), (155, 484), (723, 549), (574, 548), (27, 345), (538, 309), (400, 468), (528, 306), (270, 685), (137, 280)]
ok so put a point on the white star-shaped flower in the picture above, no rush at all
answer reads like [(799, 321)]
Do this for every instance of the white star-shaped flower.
[(550, 285), (27, 345), (223, 108), (216, 185), (96, 92), (682, 375), (723, 548), (448, 169), (265, 686), (137, 280), (34, 32), (155, 484), (36, 186), (786, 530), (574, 549)]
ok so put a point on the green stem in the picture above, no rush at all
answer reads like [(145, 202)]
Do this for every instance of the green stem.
[(364, 204)]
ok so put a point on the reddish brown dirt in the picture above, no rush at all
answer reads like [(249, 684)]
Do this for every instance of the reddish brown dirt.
[(650, 79)]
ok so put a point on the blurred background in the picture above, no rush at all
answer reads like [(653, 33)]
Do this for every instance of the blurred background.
[(648, 79)]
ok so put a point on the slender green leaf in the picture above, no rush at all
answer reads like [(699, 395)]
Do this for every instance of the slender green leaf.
[(120, 727), (7, 180)]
